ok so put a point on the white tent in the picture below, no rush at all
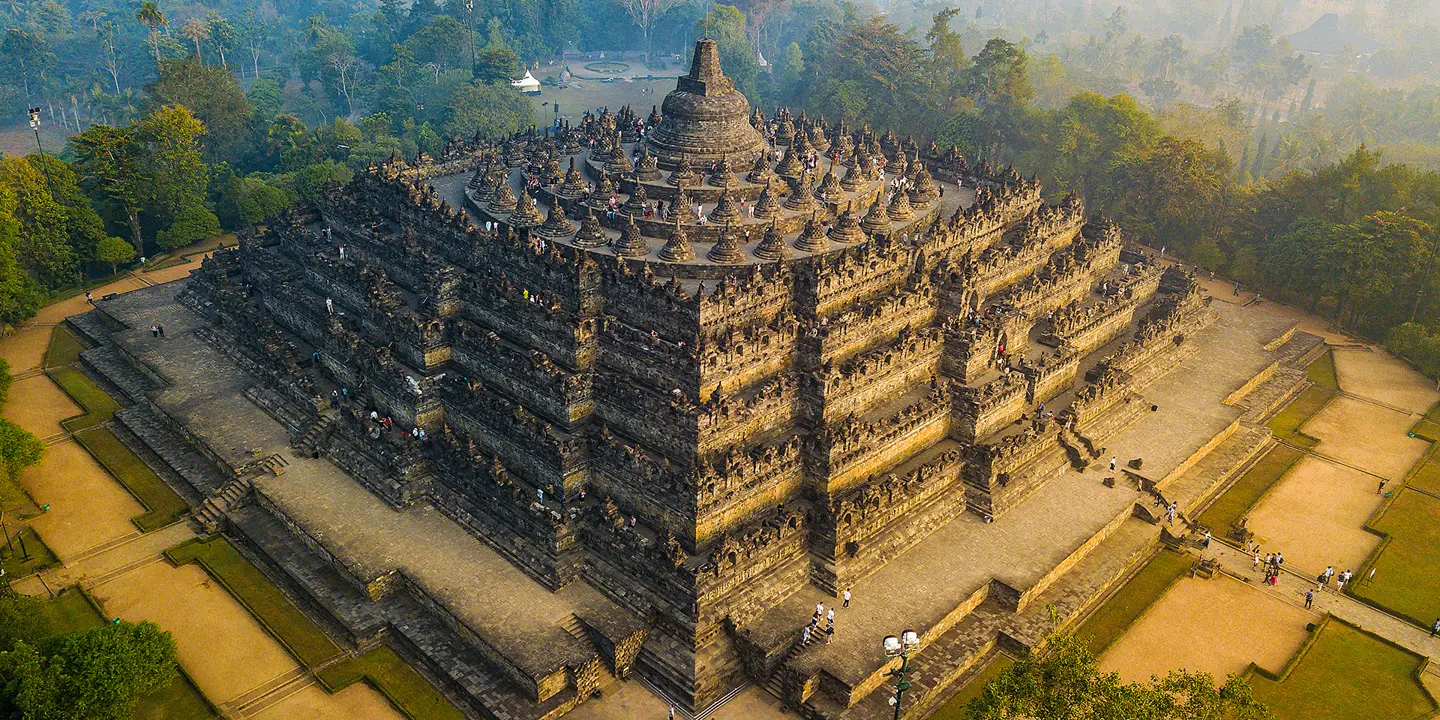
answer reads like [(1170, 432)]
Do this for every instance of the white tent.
[(528, 84)]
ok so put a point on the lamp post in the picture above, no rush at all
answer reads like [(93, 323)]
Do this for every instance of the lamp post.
[(35, 127), (900, 647), (470, 13)]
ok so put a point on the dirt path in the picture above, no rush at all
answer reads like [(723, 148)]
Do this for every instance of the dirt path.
[(1376, 375), (1316, 516)]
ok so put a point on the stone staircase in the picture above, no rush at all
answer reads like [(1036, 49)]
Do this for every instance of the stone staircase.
[(310, 441), (272, 464), (177, 453), (106, 362), (89, 327), (211, 513)]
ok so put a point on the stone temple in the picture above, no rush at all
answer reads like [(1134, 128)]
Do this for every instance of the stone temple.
[(630, 398)]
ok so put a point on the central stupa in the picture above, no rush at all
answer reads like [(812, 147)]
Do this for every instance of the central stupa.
[(706, 118)]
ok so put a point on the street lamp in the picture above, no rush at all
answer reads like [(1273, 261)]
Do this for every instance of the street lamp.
[(470, 13), (900, 647), (35, 127)]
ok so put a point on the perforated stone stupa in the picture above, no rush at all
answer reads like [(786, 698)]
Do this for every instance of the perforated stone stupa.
[(543, 432)]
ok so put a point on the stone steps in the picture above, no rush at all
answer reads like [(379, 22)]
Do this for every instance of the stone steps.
[(345, 604), (174, 450), (212, 513), (89, 327), (107, 363)]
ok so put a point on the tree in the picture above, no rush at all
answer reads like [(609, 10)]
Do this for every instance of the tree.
[(30, 52), (20, 295), (151, 15), (1061, 681), (222, 35), (192, 224), (96, 674), (998, 73), (213, 97), (947, 59), (42, 245), (114, 252), (645, 13), (491, 110), (195, 30)]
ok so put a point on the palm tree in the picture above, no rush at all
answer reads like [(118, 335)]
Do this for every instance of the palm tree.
[(151, 15), (194, 30)]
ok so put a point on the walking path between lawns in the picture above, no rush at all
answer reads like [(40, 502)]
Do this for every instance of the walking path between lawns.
[(1291, 587)]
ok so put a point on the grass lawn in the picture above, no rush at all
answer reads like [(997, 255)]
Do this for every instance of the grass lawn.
[(393, 678), (180, 700), (164, 505), (1406, 569), (954, 708), (1236, 501), (1286, 423), (1131, 601), (63, 349), (298, 633), (71, 611), (1347, 675), (1426, 477), (13, 560), (1322, 371), (98, 405)]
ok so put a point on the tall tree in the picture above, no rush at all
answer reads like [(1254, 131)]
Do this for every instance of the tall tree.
[(195, 30), (645, 13), (151, 15)]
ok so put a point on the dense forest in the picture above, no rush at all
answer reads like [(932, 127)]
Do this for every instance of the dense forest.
[(1309, 175)]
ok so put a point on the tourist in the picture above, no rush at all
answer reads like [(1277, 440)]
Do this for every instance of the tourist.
[(1435, 628), (1205, 544), (329, 306), (154, 331), (1255, 565), (1380, 490), (845, 596), (819, 609), (1112, 463), (1309, 598), (161, 328), (89, 299), (830, 616), (805, 635), (1325, 576), (830, 633)]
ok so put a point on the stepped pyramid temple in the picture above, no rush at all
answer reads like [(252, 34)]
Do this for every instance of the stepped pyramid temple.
[(629, 398)]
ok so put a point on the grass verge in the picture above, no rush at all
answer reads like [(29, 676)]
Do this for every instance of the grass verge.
[(1322, 371), (63, 349), (1408, 563), (1345, 674), (98, 404), (1116, 614), (14, 562), (954, 708), (163, 504), (383, 670), (1246, 491), (1286, 423), (290, 627)]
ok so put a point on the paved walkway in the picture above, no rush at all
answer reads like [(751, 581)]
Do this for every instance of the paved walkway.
[(1292, 587)]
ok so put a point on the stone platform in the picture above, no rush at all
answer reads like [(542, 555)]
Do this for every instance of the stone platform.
[(498, 639)]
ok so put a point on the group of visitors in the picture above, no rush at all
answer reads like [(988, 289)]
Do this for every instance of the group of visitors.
[(813, 630)]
